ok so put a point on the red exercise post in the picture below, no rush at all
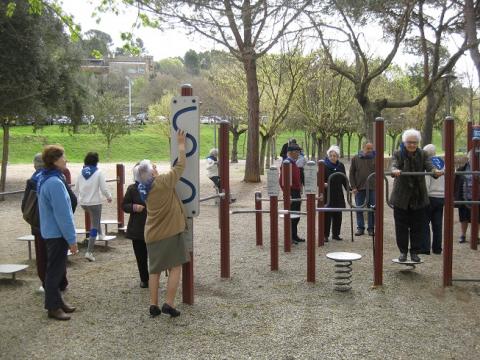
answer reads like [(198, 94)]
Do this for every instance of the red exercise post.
[(311, 212), (449, 127), (120, 183), (258, 218), (474, 212), (274, 233), (321, 202), (379, 193), (225, 201), (287, 227), (469, 135)]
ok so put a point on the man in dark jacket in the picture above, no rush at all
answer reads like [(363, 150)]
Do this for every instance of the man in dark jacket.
[(363, 165), (284, 151), (409, 195), (293, 151), (135, 206), (40, 248)]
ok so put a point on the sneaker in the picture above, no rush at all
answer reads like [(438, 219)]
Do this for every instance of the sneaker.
[(144, 284), (299, 239), (414, 257), (89, 256), (402, 257), (41, 290), (371, 233), (359, 232), (462, 239), (336, 237), (154, 311)]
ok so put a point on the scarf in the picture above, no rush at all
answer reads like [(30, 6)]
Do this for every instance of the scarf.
[(88, 171), (144, 189), (362, 155), (438, 162), (293, 161), (330, 165), (46, 174), (36, 176)]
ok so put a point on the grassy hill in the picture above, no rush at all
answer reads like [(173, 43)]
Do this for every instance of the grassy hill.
[(143, 142)]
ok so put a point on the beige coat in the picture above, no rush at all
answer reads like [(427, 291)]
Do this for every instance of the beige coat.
[(165, 213)]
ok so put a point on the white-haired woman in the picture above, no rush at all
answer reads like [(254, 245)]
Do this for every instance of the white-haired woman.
[(212, 168), (337, 200), (436, 197), (165, 223), (409, 195)]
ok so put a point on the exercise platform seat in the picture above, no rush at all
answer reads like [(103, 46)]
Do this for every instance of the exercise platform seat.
[(409, 263), (29, 239), (108, 222), (12, 269), (343, 268)]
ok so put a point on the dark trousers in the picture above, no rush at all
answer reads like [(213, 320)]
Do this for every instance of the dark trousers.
[(434, 217), (216, 181), (360, 198), (57, 249), (140, 250), (295, 206), (41, 261), (409, 225), (334, 220)]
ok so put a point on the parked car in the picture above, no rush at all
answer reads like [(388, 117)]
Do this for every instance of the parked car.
[(63, 120), (142, 118), (87, 119)]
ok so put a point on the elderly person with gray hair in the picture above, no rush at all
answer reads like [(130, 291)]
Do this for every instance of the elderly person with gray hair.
[(166, 221), (436, 197), (334, 189), (212, 168), (409, 195)]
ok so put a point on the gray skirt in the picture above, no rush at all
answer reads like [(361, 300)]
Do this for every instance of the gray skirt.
[(167, 253)]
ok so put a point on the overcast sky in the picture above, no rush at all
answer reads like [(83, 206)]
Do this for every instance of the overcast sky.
[(175, 43)]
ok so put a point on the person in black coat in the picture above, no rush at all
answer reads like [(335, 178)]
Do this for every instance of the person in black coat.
[(40, 247), (135, 206), (337, 200)]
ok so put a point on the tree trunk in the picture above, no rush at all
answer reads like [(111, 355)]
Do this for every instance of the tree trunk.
[(314, 142), (235, 137), (307, 145), (370, 113), (471, 33), (267, 156), (252, 165), (430, 112), (6, 143), (349, 142), (359, 143), (262, 153)]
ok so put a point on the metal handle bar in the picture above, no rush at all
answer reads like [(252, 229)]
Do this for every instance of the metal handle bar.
[(219, 195)]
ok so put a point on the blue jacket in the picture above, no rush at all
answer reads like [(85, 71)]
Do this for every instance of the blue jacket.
[(55, 208)]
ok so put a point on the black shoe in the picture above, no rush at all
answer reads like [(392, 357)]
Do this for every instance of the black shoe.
[(437, 252), (294, 242), (326, 239), (359, 232), (424, 252), (371, 233), (144, 284), (299, 239), (336, 237), (462, 239), (154, 310), (402, 257), (415, 258), (167, 309)]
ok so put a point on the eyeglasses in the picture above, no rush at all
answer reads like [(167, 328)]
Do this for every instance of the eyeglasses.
[(411, 142)]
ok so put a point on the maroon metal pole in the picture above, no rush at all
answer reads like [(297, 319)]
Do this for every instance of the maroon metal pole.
[(68, 176), (475, 193), (321, 202), (311, 212), (258, 218), (274, 233), (287, 226), (120, 183), (469, 135), (187, 268), (225, 201), (379, 193), (449, 128)]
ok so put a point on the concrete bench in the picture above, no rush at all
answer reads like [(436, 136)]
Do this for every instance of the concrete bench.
[(106, 239), (12, 269), (28, 239), (343, 268), (109, 222)]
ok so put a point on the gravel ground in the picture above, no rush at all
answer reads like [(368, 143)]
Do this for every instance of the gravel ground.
[(257, 314)]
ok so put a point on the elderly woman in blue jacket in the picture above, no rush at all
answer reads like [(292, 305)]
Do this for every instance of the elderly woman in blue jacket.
[(57, 228)]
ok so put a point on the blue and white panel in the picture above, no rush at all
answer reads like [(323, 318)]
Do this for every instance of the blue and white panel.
[(186, 116)]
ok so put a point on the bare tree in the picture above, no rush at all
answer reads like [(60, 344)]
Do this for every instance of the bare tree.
[(248, 29), (471, 14)]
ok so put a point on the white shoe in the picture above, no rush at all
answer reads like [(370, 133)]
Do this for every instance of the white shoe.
[(89, 256), (41, 289), (101, 237)]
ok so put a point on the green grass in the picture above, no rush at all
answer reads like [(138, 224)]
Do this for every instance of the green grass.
[(141, 143)]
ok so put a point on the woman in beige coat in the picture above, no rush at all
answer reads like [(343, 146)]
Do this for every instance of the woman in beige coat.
[(164, 227)]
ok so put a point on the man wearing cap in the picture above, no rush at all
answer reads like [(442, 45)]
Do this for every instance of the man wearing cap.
[(283, 152), (293, 151)]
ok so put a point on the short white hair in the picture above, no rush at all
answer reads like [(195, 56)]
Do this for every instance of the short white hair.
[(335, 149), (144, 171), (213, 152), (430, 149), (411, 132)]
